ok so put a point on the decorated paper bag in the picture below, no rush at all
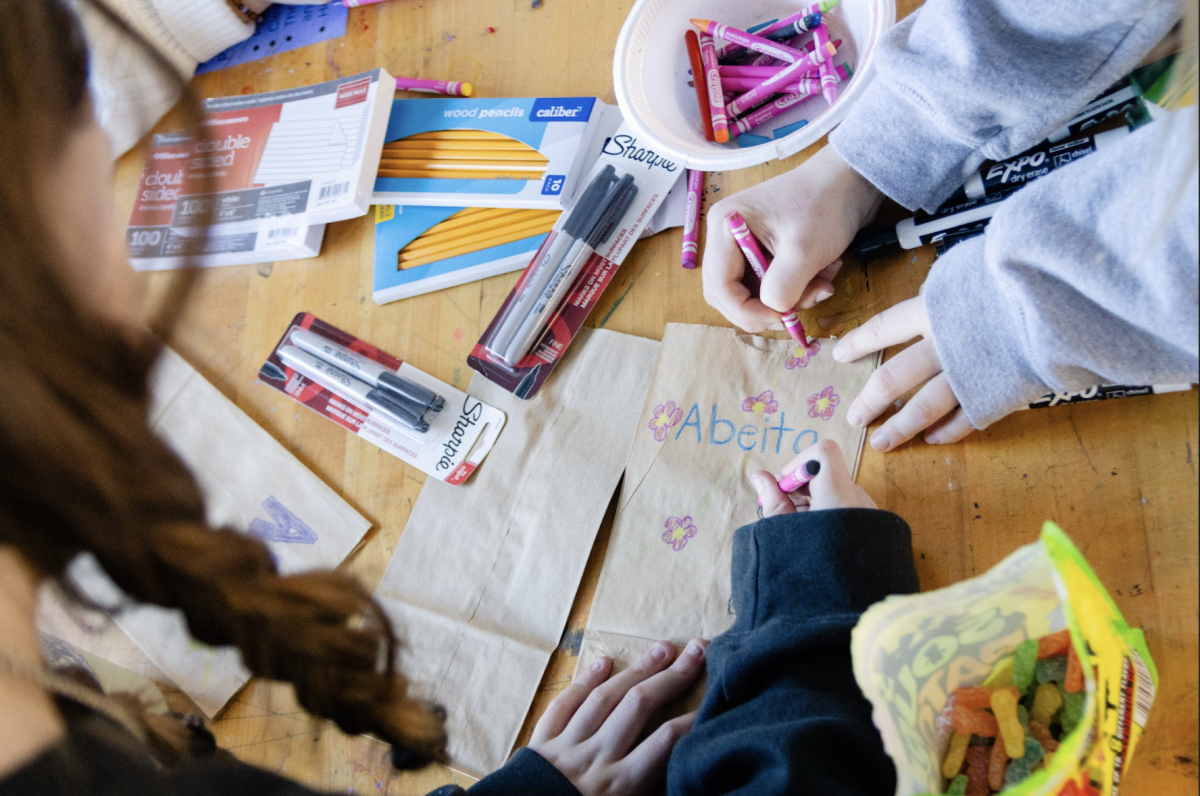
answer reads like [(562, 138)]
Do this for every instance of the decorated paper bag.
[(912, 651), (721, 405)]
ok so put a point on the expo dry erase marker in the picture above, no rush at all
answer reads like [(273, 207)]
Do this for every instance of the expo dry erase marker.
[(998, 177), (1104, 392), (367, 369), (793, 481), (350, 387)]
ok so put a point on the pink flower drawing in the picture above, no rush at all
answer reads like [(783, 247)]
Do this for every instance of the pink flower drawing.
[(763, 404), (678, 531), (665, 417), (801, 356), (822, 404)]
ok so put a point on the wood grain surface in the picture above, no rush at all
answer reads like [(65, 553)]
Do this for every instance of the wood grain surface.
[(1120, 476)]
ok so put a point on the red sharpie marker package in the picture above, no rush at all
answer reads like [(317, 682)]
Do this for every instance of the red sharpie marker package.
[(574, 265), (427, 423)]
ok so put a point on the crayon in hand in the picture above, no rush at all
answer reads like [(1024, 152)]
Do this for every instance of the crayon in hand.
[(793, 481), (758, 262)]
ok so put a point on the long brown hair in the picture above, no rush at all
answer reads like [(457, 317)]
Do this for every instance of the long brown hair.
[(80, 470)]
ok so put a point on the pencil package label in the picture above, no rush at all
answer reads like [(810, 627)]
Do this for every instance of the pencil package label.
[(420, 420), (571, 269), (280, 163), (509, 152), (422, 249)]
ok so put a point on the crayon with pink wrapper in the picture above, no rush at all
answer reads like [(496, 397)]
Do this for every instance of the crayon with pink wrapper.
[(762, 71), (759, 264), (781, 103), (819, 9), (828, 79), (804, 85), (691, 219), (773, 85), (445, 87), (756, 43)]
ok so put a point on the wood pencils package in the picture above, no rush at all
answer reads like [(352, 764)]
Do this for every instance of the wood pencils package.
[(574, 265), (506, 152), (420, 420)]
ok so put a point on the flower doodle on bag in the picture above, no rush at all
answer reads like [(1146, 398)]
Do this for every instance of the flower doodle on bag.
[(679, 530), (823, 404), (666, 416), (801, 356), (763, 404)]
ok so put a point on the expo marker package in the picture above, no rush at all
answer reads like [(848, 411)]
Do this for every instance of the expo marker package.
[(573, 266), (911, 652), (418, 419), (283, 164)]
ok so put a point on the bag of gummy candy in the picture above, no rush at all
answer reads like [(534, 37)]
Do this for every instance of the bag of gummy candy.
[(1025, 680)]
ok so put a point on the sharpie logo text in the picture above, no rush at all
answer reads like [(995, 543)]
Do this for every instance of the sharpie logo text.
[(452, 447), (626, 146)]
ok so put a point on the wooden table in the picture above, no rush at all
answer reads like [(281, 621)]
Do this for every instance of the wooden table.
[(1120, 476)]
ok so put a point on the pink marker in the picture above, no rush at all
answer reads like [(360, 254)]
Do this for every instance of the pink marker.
[(434, 87), (756, 43), (758, 262), (829, 88), (716, 97), (793, 481), (774, 85), (691, 219)]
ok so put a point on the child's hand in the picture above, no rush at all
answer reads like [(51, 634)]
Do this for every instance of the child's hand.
[(806, 219), (590, 730), (934, 407), (832, 488)]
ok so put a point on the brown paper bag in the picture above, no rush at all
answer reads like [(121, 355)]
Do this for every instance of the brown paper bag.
[(721, 405), (483, 577)]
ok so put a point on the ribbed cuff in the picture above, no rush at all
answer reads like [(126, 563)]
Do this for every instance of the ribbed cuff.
[(202, 28), (879, 138), (980, 335)]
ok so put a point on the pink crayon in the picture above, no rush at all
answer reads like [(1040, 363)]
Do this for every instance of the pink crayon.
[(730, 49), (758, 263), (796, 93), (691, 219), (756, 43), (828, 79), (448, 88), (765, 70), (775, 84), (716, 97)]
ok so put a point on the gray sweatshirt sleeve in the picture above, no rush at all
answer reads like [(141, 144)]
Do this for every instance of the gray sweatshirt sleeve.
[(1086, 276), (963, 81)]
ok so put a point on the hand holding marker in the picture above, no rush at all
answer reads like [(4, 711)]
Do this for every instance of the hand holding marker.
[(794, 480), (758, 262)]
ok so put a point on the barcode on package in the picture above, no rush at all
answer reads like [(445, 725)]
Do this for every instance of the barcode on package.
[(333, 191), (1144, 697)]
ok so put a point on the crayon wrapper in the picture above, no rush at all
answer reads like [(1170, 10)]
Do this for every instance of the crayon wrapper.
[(910, 652)]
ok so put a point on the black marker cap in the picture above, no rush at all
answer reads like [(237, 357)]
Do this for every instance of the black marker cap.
[(622, 198), (873, 239), (590, 202)]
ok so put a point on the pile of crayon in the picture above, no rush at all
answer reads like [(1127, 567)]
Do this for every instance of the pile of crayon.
[(752, 78), (1006, 729)]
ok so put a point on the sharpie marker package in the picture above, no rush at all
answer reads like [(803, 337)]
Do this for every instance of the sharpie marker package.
[(418, 419), (911, 653), (574, 265)]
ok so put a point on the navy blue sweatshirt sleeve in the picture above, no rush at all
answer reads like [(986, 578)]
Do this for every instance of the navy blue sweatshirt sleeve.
[(782, 713), (526, 774)]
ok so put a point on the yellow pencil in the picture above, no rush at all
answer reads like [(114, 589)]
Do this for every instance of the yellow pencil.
[(442, 232), (458, 241), (459, 135), (465, 154), (459, 220), (467, 249), (452, 144)]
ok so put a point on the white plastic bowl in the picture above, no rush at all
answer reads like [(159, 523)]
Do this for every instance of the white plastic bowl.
[(651, 73)]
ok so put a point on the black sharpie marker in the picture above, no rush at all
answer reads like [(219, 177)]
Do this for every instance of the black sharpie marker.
[(370, 371)]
